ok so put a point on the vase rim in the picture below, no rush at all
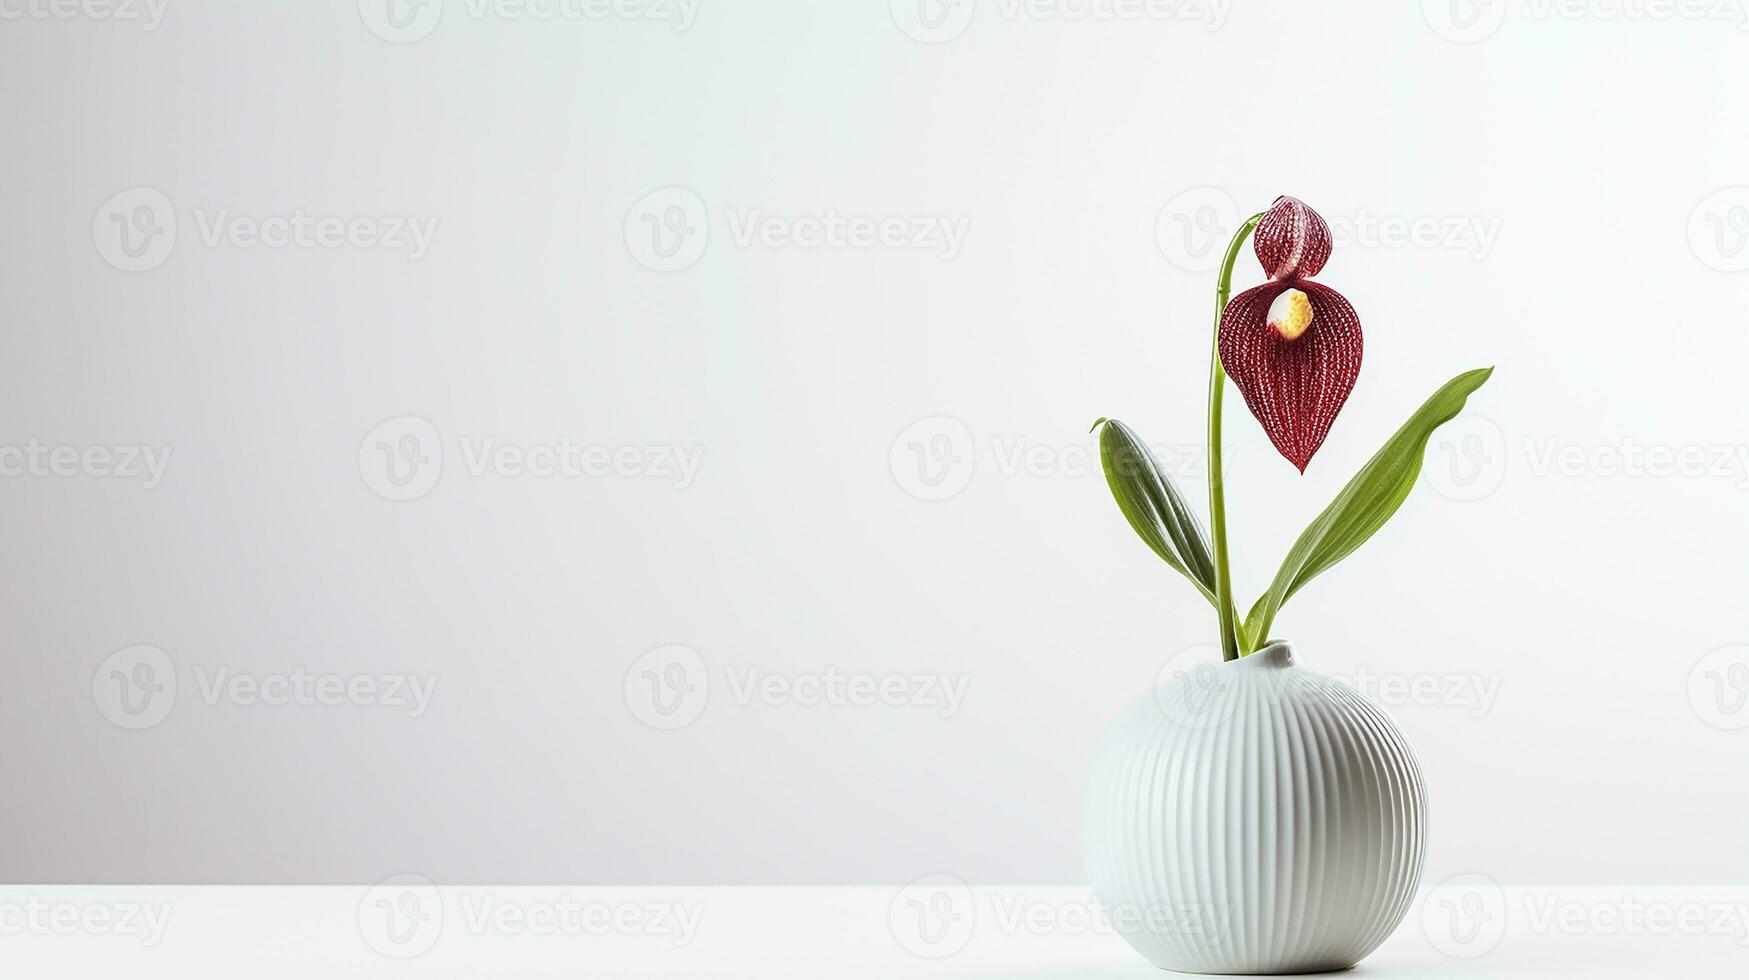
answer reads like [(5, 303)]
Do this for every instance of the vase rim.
[(1274, 654)]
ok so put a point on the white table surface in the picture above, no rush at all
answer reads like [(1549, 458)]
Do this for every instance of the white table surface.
[(1465, 928)]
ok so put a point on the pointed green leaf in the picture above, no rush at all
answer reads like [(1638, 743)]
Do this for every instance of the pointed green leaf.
[(1365, 504), (1153, 505)]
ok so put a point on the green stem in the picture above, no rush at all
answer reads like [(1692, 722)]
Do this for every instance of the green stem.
[(1231, 647)]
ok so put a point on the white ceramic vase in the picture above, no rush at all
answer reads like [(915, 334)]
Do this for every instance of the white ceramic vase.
[(1254, 817)]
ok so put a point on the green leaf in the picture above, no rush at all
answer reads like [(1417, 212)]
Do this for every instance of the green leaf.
[(1153, 505), (1364, 505)]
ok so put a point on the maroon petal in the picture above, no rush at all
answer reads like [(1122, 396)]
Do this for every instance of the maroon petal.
[(1291, 240), (1294, 387)]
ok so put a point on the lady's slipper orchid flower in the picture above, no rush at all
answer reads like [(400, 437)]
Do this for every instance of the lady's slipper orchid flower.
[(1292, 346)]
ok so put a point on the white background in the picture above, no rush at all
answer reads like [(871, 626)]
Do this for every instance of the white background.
[(1589, 145)]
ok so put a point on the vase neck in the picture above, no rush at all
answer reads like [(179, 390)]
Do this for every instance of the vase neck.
[(1278, 655)]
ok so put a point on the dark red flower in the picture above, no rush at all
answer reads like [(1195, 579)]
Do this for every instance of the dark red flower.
[(1291, 240), (1291, 345)]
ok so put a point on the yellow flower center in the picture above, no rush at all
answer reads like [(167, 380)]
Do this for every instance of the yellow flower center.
[(1291, 314)]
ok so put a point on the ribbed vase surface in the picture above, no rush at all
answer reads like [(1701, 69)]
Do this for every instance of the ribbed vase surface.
[(1254, 817)]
